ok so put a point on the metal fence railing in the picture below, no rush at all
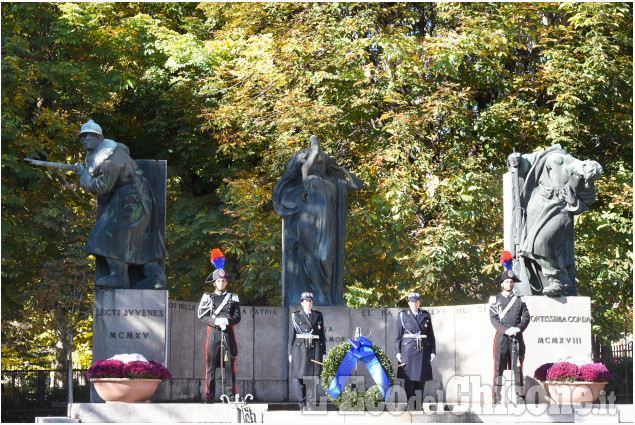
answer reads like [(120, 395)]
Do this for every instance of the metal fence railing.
[(27, 393), (618, 359)]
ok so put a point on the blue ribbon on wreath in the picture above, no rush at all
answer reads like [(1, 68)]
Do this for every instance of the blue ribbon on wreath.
[(360, 349)]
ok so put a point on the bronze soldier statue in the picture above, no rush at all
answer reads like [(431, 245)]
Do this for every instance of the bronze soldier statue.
[(127, 232)]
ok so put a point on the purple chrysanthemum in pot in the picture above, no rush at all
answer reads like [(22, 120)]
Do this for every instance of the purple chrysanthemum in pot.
[(563, 372), (541, 373), (136, 369), (595, 372), (159, 371), (106, 369)]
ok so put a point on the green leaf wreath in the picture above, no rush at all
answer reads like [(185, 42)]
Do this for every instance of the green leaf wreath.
[(350, 399)]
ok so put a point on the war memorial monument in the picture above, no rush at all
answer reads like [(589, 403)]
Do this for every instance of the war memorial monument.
[(132, 313)]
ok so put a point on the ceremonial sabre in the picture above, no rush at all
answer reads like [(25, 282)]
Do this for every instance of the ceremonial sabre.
[(515, 362), (223, 358)]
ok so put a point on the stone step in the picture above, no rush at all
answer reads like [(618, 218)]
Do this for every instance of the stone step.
[(197, 413)]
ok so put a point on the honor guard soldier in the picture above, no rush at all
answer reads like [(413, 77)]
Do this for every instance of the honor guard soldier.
[(307, 342), (220, 311), (510, 317), (415, 345)]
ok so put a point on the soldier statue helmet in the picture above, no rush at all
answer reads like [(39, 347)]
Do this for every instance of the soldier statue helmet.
[(90, 127)]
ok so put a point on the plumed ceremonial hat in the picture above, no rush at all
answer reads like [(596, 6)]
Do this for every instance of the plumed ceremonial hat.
[(507, 261), (218, 260), (507, 274)]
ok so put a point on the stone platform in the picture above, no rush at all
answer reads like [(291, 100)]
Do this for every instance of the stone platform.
[(286, 413)]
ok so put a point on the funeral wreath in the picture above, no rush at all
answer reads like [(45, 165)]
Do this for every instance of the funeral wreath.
[(351, 398)]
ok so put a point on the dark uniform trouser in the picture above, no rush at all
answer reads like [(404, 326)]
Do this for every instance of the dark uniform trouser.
[(301, 390), (212, 358), (412, 386), (503, 348)]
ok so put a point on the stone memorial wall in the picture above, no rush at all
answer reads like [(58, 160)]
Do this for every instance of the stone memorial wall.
[(269, 352), (463, 369)]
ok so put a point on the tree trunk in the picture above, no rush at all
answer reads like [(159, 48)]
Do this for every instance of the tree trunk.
[(61, 353)]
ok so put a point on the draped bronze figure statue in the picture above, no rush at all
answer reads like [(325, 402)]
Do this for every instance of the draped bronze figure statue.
[(549, 188), (311, 198)]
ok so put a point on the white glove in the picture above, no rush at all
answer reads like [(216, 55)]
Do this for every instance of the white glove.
[(222, 323), (398, 355), (432, 356), (516, 330), (509, 332), (289, 358)]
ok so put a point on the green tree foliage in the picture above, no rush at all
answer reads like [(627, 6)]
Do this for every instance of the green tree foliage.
[(422, 101), (61, 64)]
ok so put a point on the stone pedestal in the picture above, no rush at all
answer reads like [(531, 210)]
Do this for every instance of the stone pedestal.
[(474, 362), (560, 328), (130, 321)]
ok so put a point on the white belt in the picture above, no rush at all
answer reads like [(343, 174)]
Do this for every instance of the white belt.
[(307, 336), (418, 336)]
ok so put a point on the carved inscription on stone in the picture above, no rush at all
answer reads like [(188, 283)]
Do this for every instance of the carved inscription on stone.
[(120, 325)]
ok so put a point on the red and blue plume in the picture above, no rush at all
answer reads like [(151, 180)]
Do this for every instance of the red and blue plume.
[(218, 259), (506, 260)]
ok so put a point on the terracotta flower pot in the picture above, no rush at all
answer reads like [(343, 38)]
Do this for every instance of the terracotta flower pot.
[(574, 392), (125, 389)]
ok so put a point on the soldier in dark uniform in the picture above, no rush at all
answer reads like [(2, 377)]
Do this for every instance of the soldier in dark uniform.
[(414, 345), (220, 311), (307, 342), (510, 317)]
